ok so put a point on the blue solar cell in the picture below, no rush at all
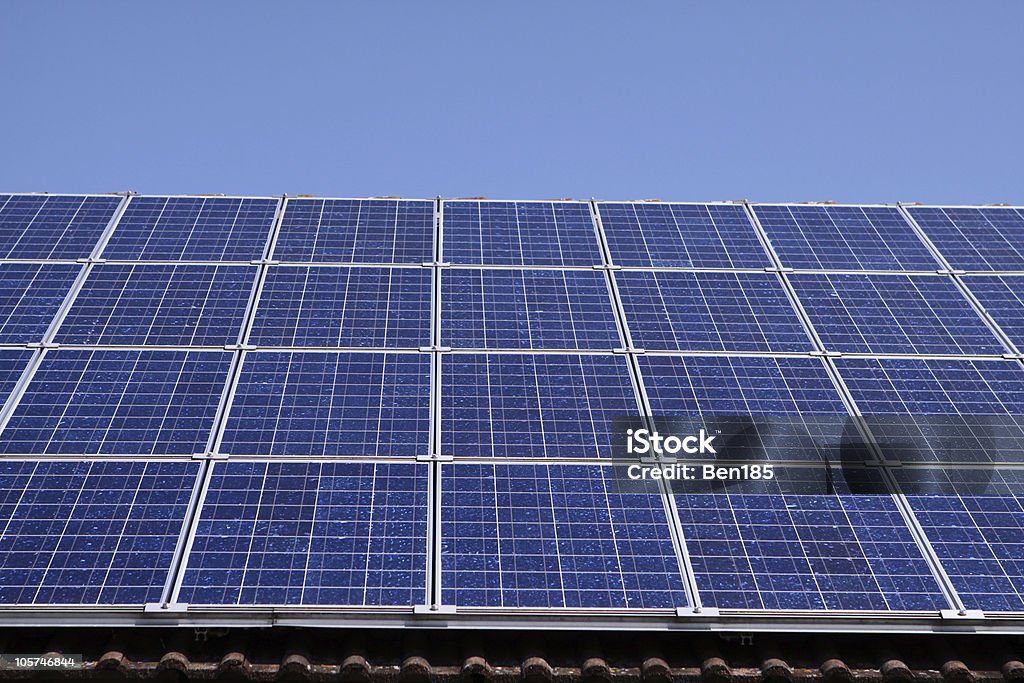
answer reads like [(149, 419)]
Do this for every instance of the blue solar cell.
[(535, 406), (30, 295), (52, 227), (758, 547), (315, 404), (12, 364), (520, 234), (90, 532), (1003, 299), (979, 538), (556, 536), (192, 229), (356, 231), (975, 239), (958, 390), (527, 309), (330, 306), (844, 238), (343, 534), (681, 235), (159, 304), (706, 386), (118, 402), (915, 314), (902, 386), (710, 312)]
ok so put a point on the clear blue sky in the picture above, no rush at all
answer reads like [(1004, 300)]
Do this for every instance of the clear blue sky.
[(854, 101)]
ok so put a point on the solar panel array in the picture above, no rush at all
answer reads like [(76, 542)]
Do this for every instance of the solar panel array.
[(217, 405)]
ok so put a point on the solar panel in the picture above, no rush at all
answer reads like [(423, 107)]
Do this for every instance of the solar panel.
[(30, 295), (928, 410), (979, 538), (975, 239), (918, 386), (356, 231), (681, 235), (325, 398), (192, 229), (553, 536), (349, 534), (708, 386), (90, 532), (118, 402), (1003, 299), (12, 364), (912, 314), (759, 547), (527, 309), (52, 226), (844, 238), (329, 306), (159, 304), (329, 404), (710, 312), (520, 234), (533, 406)]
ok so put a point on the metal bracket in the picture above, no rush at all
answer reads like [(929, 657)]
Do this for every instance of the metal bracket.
[(439, 349), (778, 269), (606, 267), (168, 608), (435, 458), (210, 456), (697, 612), (826, 354), (239, 347), (264, 262), (951, 271), (973, 614), (884, 463), (42, 345), (90, 259), (628, 351), (433, 610)]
